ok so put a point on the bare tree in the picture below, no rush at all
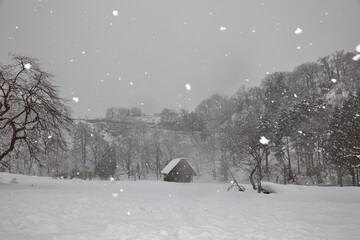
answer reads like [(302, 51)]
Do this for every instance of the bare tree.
[(31, 112)]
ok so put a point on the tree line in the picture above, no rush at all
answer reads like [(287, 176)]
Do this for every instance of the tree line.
[(309, 118)]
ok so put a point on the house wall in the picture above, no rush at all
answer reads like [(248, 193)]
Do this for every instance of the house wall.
[(181, 173)]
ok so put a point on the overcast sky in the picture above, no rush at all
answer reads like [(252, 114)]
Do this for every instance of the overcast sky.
[(142, 53)]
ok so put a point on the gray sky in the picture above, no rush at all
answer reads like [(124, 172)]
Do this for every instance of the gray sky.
[(146, 54)]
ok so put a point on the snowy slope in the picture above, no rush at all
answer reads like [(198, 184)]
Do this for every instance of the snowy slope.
[(42, 208)]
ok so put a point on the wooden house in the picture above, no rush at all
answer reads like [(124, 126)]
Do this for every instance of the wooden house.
[(178, 170)]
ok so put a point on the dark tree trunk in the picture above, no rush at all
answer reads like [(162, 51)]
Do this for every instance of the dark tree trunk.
[(251, 177)]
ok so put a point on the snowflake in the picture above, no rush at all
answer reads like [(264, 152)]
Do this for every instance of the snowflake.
[(188, 86), (222, 28), (356, 57), (334, 80), (298, 31), (128, 213), (115, 195), (131, 83), (115, 12), (263, 140), (27, 66), (75, 99), (49, 136), (298, 47), (357, 48)]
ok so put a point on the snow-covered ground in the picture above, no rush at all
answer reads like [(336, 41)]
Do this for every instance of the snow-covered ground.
[(41, 208)]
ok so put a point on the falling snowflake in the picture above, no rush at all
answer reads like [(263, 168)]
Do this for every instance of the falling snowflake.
[(298, 31), (49, 136), (142, 104), (300, 132), (71, 60), (128, 213), (16, 27), (357, 48), (295, 95), (27, 66), (247, 79), (222, 28), (169, 195), (115, 12), (188, 86), (83, 52), (121, 190), (131, 83), (356, 57), (75, 99), (334, 80), (298, 47), (115, 195), (263, 140)]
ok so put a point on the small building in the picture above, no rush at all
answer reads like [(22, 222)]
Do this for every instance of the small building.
[(178, 170)]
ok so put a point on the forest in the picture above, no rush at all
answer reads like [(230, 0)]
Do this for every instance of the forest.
[(298, 127)]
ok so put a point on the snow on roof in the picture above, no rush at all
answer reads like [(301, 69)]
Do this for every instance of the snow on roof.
[(171, 165)]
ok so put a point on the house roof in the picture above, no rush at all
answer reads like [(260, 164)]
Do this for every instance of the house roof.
[(170, 166)]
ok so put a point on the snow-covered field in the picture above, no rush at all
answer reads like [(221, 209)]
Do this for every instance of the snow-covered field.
[(43, 208)]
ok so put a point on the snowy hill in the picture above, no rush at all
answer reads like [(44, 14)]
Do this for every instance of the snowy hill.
[(43, 208)]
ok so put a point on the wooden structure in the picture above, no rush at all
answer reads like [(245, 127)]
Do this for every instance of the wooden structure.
[(178, 170)]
